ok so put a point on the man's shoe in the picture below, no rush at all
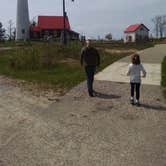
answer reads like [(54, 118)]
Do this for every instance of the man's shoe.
[(91, 94)]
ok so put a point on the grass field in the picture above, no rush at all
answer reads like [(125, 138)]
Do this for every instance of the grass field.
[(123, 46), (12, 43), (33, 64)]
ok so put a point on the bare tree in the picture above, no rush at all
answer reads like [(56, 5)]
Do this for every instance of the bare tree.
[(11, 30), (155, 20), (160, 25), (164, 26), (14, 33), (33, 22), (2, 32)]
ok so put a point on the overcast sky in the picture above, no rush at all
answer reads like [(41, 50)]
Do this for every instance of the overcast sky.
[(93, 18)]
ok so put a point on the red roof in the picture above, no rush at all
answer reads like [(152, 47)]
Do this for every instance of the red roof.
[(133, 28), (52, 22), (35, 28)]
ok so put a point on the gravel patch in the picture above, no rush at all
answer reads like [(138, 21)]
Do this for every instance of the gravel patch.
[(82, 131)]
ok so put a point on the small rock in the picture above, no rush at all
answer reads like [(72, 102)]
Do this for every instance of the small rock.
[(54, 99), (72, 115), (85, 116)]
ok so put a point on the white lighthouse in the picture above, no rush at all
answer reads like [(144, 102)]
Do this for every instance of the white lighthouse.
[(22, 22)]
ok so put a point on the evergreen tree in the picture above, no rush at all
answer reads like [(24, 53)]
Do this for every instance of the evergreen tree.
[(108, 36)]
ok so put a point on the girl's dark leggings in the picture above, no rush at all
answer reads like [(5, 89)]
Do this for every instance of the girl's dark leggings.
[(135, 87)]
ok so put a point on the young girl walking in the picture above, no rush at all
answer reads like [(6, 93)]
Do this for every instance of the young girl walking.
[(134, 71)]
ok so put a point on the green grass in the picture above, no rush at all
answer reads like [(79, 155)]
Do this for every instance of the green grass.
[(163, 83), (12, 43), (62, 75), (7, 44), (159, 41), (66, 71)]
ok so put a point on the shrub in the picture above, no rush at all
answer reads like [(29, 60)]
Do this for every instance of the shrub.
[(25, 59), (163, 82), (48, 55), (164, 72), (43, 55)]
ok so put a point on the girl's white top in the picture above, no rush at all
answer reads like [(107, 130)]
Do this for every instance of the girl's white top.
[(134, 72)]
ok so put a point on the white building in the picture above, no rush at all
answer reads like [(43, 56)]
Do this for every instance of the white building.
[(23, 23), (136, 33)]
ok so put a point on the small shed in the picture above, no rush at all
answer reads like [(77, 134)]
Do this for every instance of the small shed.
[(136, 33)]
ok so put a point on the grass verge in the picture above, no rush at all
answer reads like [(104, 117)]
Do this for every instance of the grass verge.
[(65, 73), (123, 46)]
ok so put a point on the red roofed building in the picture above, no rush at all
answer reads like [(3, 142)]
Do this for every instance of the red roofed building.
[(52, 26), (136, 33)]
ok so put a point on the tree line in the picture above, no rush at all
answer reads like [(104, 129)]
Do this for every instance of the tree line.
[(160, 26), (9, 33)]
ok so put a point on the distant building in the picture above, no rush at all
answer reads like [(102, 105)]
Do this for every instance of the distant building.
[(136, 33), (52, 27)]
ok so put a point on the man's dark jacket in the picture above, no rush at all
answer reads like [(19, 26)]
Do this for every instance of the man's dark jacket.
[(90, 56)]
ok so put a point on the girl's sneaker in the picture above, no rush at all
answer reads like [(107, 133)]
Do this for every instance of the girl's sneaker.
[(132, 100), (137, 103)]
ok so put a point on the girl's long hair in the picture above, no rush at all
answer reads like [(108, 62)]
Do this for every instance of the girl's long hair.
[(135, 59)]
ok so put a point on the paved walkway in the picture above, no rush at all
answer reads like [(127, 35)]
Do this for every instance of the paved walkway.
[(81, 131), (151, 58)]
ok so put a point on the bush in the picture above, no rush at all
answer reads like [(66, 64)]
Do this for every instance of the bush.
[(43, 55), (164, 72), (25, 59), (163, 82), (33, 63)]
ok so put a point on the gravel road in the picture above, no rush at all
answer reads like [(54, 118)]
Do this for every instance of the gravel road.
[(76, 130)]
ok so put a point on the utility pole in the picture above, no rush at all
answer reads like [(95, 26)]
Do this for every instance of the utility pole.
[(64, 23)]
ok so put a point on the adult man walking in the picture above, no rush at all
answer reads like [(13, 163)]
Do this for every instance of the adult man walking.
[(90, 59)]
